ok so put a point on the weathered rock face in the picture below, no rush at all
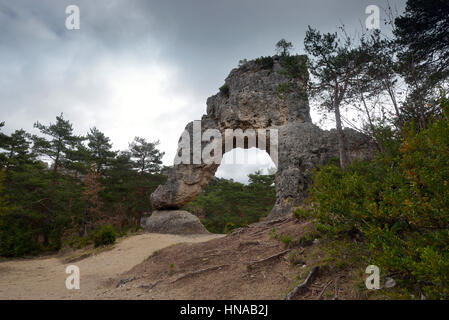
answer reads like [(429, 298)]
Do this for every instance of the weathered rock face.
[(302, 147), (260, 96), (173, 222), (267, 93)]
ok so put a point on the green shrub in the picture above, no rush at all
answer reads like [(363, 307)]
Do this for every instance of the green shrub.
[(77, 242), (264, 63), (229, 227), (83, 242), (302, 214), (104, 236), (296, 258), (224, 89), (18, 234), (306, 239), (295, 66), (284, 88), (286, 239), (243, 63), (397, 206), (273, 233)]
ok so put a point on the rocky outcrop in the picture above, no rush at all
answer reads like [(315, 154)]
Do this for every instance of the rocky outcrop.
[(270, 94), (303, 147), (173, 222)]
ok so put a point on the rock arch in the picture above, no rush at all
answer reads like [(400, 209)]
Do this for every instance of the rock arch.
[(266, 93)]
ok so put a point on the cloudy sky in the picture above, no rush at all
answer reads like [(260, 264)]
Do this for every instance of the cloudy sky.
[(145, 68)]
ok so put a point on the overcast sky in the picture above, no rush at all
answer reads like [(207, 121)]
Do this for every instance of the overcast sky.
[(145, 68)]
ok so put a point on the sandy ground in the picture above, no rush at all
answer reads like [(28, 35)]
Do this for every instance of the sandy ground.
[(250, 263), (44, 278)]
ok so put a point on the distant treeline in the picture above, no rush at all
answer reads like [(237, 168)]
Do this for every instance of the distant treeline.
[(59, 189), (225, 204), (82, 185)]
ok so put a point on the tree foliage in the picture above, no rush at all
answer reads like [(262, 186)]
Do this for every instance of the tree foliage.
[(100, 149), (283, 47), (396, 206), (57, 187), (224, 204), (423, 33), (335, 65), (145, 156)]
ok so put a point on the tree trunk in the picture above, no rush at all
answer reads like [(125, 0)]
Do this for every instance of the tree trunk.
[(85, 218), (341, 139), (395, 104), (52, 194), (362, 97)]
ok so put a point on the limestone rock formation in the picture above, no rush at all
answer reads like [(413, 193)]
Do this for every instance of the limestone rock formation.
[(173, 222), (266, 93)]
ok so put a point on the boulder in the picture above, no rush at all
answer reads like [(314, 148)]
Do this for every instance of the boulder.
[(173, 222)]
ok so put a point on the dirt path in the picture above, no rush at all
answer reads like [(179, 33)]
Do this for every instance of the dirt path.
[(44, 278), (250, 263)]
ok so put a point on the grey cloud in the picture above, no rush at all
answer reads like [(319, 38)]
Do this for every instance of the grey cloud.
[(46, 69)]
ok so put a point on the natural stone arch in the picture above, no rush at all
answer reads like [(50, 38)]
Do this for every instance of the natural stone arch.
[(266, 93)]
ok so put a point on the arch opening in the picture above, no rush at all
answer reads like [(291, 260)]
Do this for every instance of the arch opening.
[(238, 163)]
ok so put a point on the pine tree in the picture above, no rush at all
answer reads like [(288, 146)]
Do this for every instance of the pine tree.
[(91, 196), (422, 31), (58, 148), (17, 149), (100, 149), (145, 156), (62, 141), (422, 36), (335, 64), (283, 47)]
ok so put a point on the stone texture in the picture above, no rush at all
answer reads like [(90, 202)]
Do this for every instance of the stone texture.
[(173, 222), (254, 101)]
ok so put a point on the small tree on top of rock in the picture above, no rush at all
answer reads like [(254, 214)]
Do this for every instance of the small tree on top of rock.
[(283, 47)]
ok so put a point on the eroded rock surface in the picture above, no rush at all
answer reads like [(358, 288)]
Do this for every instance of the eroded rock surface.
[(267, 93)]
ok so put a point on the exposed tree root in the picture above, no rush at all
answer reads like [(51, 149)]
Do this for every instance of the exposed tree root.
[(324, 289), (251, 265), (151, 285), (191, 274), (125, 281), (303, 286)]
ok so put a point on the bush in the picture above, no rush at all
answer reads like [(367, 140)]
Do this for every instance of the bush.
[(104, 236), (264, 63), (283, 89), (286, 239), (18, 232), (18, 235), (295, 67), (229, 227), (224, 89), (397, 206)]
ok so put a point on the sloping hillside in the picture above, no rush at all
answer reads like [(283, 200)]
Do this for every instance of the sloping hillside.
[(44, 278), (263, 261)]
